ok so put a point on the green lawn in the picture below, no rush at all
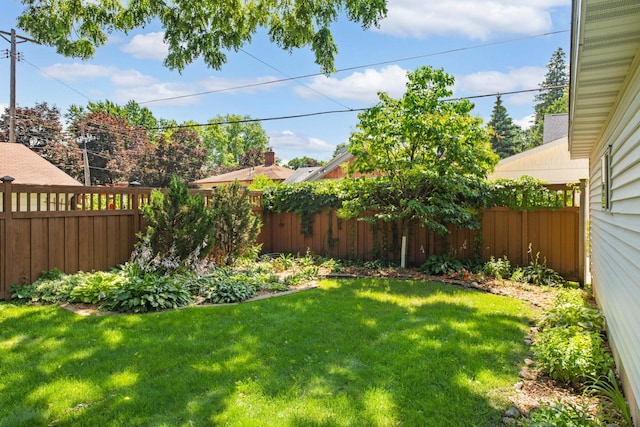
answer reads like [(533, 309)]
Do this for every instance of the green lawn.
[(351, 353)]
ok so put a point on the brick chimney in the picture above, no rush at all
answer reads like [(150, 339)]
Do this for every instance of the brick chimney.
[(269, 158)]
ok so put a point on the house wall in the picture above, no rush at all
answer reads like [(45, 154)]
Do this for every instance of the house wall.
[(615, 234)]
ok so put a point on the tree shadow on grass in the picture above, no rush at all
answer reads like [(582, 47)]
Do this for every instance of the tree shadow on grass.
[(358, 352)]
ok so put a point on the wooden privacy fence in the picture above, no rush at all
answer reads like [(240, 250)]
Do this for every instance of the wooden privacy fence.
[(75, 228)]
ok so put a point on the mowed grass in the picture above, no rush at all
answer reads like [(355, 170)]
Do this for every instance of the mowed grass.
[(351, 353)]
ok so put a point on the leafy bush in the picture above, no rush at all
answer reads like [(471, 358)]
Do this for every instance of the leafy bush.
[(92, 288), (226, 286), (539, 274), (571, 354), (499, 268), (149, 292), (441, 264), (178, 223), (570, 309), (52, 287), (236, 225), (560, 415)]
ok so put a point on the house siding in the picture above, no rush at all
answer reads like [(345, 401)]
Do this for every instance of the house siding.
[(615, 234)]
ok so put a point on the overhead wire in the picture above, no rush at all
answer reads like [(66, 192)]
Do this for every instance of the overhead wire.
[(356, 67)]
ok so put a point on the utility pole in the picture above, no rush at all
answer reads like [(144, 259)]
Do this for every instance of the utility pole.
[(12, 78), (12, 89)]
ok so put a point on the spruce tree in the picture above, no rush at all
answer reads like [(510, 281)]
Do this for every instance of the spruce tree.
[(557, 77), (504, 133)]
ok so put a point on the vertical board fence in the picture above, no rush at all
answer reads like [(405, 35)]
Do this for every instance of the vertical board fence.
[(95, 228)]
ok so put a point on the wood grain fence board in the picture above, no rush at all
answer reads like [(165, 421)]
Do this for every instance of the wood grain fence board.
[(39, 248), (100, 243), (85, 243), (71, 245), (56, 243)]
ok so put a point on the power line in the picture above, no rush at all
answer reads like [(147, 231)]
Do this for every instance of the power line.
[(58, 80), (350, 110), (296, 80), (374, 64)]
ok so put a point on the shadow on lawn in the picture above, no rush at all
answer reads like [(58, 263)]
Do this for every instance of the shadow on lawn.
[(362, 352)]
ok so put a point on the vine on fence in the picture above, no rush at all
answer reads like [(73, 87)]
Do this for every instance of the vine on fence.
[(306, 199)]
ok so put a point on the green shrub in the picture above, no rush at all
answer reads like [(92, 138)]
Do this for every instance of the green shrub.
[(560, 415), (224, 285), (499, 268), (441, 264), (50, 288), (570, 309), (92, 288), (572, 354), (539, 274), (236, 226), (178, 223), (150, 292)]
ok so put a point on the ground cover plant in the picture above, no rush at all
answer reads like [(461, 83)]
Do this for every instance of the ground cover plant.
[(353, 352)]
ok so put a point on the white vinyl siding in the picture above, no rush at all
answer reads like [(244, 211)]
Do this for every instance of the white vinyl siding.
[(615, 233)]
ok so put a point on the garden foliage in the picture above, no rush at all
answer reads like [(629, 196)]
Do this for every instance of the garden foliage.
[(178, 223), (236, 226), (570, 347)]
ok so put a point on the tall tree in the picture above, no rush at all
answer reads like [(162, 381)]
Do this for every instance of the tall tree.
[(36, 126), (505, 135), (175, 154), (40, 128), (194, 29), (555, 80), (430, 157), (104, 137), (229, 137)]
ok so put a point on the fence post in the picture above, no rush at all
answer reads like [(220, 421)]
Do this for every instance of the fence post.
[(7, 271), (135, 206)]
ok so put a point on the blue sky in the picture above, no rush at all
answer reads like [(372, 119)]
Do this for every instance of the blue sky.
[(489, 46)]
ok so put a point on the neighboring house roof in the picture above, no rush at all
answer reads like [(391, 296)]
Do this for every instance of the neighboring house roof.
[(603, 47), (334, 163), (273, 172), (555, 126), (549, 162), (300, 174), (27, 167)]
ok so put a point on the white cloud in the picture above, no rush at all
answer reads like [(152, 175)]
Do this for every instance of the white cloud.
[(172, 94), (132, 78), (147, 46), (359, 86), (475, 19), (490, 82), (525, 122), (245, 85), (78, 71), (287, 145)]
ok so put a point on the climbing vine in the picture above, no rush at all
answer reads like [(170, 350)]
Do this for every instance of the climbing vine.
[(306, 199)]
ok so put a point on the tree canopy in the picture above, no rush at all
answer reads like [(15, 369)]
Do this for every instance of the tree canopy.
[(505, 135), (555, 80), (228, 142), (197, 29), (429, 157)]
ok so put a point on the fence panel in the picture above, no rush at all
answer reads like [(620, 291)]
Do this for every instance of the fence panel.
[(94, 228)]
